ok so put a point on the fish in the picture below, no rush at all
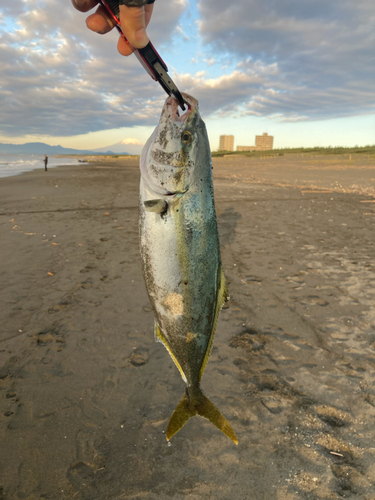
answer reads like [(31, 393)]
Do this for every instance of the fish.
[(180, 252)]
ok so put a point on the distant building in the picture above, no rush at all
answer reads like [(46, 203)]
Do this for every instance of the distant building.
[(226, 143), (264, 141)]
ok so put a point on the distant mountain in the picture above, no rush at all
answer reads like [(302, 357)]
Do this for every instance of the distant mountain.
[(39, 148), (133, 146)]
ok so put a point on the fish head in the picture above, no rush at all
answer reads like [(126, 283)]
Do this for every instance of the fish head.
[(168, 159)]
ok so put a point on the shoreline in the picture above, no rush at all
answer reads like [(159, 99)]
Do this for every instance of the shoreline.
[(86, 393), (276, 171), (97, 158), (26, 162)]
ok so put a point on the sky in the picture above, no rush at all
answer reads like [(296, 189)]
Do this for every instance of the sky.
[(300, 70)]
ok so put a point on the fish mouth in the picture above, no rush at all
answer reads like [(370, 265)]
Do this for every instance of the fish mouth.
[(176, 113)]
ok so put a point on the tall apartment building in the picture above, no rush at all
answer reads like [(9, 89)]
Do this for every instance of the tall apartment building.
[(264, 141), (226, 143)]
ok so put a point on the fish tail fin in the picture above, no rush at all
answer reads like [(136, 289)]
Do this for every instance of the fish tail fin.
[(203, 407), (182, 413)]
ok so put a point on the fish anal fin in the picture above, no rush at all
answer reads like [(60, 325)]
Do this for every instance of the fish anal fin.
[(222, 297), (203, 407), (159, 337), (157, 206)]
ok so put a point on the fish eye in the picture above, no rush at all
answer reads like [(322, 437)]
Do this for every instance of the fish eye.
[(186, 137)]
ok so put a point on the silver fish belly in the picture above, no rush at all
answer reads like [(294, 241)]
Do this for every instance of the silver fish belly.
[(180, 252)]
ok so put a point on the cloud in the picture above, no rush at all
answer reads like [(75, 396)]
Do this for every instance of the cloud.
[(210, 62), (324, 52), (288, 60), (224, 95), (58, 78), (181, 32)]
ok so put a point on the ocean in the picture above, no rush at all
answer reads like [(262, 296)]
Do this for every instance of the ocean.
[(17, 164)]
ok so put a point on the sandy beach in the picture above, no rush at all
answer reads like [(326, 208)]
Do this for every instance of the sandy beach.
[(86, 393)]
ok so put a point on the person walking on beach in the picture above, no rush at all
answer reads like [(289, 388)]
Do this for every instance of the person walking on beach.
[(45, 162)]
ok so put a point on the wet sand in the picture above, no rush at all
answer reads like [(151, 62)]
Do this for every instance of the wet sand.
[(86, 393)]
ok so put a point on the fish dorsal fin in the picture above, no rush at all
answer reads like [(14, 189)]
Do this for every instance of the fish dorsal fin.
[(161, 338), (157, 206), (222, 297)]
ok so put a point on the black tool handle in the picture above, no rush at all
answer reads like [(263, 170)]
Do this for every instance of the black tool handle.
[(113, 6), (151, 56)]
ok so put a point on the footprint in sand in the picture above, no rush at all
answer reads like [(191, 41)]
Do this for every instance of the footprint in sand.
[(87, 269), (332, 416), (139, 357), (275, 404), (92, 448), (314, 300)]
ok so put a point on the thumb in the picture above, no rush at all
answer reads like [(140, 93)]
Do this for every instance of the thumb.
[(133, 25)]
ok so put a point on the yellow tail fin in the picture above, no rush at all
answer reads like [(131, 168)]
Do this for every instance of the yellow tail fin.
[(203, 407)]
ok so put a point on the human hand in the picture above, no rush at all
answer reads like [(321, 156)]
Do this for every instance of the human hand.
[(134, 21)]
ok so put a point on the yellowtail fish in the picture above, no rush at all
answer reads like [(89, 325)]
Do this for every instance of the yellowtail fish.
[(180, 252)]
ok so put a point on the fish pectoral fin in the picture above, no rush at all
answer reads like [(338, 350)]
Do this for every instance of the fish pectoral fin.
[(203, 407), (157, 206)]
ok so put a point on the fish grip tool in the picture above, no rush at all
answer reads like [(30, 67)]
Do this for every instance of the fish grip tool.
[(147, 56)]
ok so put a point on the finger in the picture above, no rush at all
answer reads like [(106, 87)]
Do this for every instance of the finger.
[(133, 25), (84, 5), (124, 48), (99, 22)]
